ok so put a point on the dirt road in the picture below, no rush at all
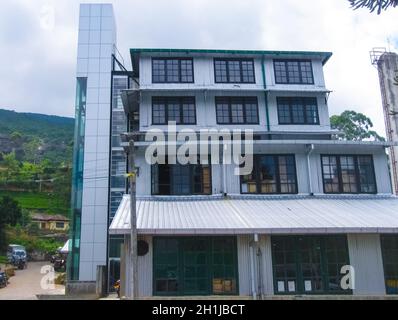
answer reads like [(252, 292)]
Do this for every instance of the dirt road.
[(27, 284)]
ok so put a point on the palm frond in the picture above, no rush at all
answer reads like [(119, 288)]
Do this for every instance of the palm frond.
[(373, 5)]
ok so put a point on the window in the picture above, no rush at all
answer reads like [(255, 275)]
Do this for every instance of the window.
[(172, 70), (389, 248), (297, 110), (348, 174), (237, 110), (293, 72), (59, 225), (177, 179), (234, 70), (309, 264), (116, 199), (195, 266), (272, 174), (182, 110)]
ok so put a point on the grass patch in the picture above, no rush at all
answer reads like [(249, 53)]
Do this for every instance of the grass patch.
[(3, 260), (44, 202)]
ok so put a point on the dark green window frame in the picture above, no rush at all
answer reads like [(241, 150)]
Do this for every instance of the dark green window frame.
[(362, 180), (286, 73), (389, 249), (308, 266), (182, 110), (196, 177), (234, 70), (297, 111), (227, 112), (194, 272), (288, 181), (172, 70)]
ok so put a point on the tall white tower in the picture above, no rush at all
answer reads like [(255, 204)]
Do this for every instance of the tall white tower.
[(387, 66), (96, 47)]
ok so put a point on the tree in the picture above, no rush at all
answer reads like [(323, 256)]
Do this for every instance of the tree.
[(11, 166), (32, 150), (10, 214), (373, 5), (354, 126)]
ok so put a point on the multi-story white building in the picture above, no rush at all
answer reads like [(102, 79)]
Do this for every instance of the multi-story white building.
[(310, 206)]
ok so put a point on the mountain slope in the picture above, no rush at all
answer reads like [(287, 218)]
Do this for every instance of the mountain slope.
[(53, 134)]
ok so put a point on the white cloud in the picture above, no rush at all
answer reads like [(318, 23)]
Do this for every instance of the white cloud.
[(38, 60)]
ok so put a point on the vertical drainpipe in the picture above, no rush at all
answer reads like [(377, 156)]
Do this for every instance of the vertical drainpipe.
[(253, 246), (265, 92), (311, 149), (224, 171)]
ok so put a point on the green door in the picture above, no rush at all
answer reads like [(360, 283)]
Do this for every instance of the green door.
[(195, 266)]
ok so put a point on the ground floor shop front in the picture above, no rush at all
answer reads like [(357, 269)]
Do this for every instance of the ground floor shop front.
[(259, 247), (264, 265)]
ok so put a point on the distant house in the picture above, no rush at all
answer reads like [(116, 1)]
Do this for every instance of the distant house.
[(51, 222)]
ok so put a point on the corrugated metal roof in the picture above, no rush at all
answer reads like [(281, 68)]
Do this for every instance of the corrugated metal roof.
[(259, 215)]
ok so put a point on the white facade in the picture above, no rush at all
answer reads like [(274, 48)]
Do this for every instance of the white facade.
[(97, 40), (251, 219)]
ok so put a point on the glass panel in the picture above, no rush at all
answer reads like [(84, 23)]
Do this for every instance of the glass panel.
[(222, 109), (195, 270), (159, 111), (310, 251), (77, 178), (306, 72), (221, 71), (284, 264), (237, 111), (293, 71), (247, 72), (224, 266), (348, 174), (284, 111), (173, 111), (234, 71), (186, 71), (166, 266), (267, 174), (366, 174), (336, 256), (172, 70), (287, 174), (251, 110), (330, 174), (188, 111), (158, 70), (297, 111), (280, 72)]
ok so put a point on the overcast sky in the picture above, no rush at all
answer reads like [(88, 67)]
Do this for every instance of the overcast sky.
[(38, 58)]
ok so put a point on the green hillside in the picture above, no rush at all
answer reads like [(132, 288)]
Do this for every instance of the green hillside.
[(36, 160), (36, 137)]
